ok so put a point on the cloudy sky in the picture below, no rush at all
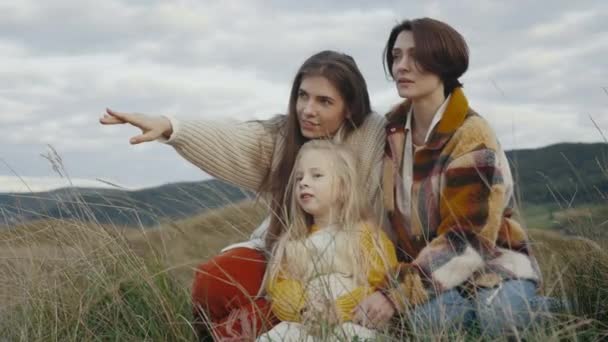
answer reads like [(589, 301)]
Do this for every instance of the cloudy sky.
[(538, 71)]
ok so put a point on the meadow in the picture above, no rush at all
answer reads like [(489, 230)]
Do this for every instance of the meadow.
[(70, 280)]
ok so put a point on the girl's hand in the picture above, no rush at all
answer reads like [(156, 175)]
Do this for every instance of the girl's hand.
[(152, 127), (373, 312)]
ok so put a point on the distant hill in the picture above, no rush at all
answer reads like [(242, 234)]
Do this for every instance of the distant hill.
[(562, 174), (145, 207)]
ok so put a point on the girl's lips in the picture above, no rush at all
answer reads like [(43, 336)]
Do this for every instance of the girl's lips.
[(305, 197)]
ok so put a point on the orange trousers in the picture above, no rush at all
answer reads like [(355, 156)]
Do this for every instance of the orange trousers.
[(223, 295)]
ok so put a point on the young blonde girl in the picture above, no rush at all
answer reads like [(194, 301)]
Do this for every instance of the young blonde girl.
[(330, 256)]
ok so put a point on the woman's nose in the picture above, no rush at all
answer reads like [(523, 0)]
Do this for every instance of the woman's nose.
[(403, 64), (309, 108)]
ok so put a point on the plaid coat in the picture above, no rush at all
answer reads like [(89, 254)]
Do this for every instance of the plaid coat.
[(461, 231)]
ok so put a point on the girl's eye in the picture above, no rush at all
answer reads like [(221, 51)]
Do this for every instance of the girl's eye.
[(326, 102), (302, 95), (317, 175)]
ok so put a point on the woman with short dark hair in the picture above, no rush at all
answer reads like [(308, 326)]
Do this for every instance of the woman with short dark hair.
[(464, 257)]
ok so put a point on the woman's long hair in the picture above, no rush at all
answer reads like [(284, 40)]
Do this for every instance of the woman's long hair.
[(342, 72)]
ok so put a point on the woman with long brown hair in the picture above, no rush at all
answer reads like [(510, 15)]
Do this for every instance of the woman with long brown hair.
[(328, 99)]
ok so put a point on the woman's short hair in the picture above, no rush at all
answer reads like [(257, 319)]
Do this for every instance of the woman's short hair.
[(440, 50)]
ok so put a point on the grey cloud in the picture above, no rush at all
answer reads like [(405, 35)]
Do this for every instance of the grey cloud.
[(125, 164), (66, 61)]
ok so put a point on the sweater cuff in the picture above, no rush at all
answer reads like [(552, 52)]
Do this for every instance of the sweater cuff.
[(346, 303), (175, 126)]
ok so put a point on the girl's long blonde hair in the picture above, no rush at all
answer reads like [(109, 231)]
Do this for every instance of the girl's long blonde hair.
[(352, 211)]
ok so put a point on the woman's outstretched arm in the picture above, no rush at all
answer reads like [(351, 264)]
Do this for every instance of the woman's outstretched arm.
[(236, 152)]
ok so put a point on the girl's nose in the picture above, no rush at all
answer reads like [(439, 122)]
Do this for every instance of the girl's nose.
[(303, 183)]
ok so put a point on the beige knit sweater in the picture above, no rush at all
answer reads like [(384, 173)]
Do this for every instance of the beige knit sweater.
[(242, 153)]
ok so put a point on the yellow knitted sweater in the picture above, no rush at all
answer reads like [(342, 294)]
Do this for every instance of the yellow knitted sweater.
[(327, 265)]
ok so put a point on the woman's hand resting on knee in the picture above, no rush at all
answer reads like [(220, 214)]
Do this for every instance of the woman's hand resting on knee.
[(152, 127), (374, 312)]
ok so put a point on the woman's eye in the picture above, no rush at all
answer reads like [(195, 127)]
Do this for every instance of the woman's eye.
[(326, 102), (302, 95), (317, 175)]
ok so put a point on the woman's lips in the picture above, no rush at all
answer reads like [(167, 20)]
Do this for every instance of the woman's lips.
[(308, 125), (404, 82)]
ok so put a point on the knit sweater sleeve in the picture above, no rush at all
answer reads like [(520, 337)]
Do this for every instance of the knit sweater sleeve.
[(239, 153), (288, 298), (379, 253)]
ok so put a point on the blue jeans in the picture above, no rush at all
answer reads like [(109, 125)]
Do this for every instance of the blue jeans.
[(511, 306)]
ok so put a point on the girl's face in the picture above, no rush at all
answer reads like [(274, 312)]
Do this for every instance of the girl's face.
[(412, 82), (320, 107), (315, 184)]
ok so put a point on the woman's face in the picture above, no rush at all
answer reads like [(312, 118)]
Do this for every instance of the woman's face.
[(412, 82), (320, 107)]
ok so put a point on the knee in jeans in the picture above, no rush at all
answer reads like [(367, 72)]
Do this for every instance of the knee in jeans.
[(505, 315), (449, 311)]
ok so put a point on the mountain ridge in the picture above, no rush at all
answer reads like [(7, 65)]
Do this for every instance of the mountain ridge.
[(563, 174)]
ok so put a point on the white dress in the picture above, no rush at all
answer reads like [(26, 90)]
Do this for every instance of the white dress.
[(322, 256)]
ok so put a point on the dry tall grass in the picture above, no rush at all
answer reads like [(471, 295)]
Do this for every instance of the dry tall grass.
[(71, 281), (67, 280)]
